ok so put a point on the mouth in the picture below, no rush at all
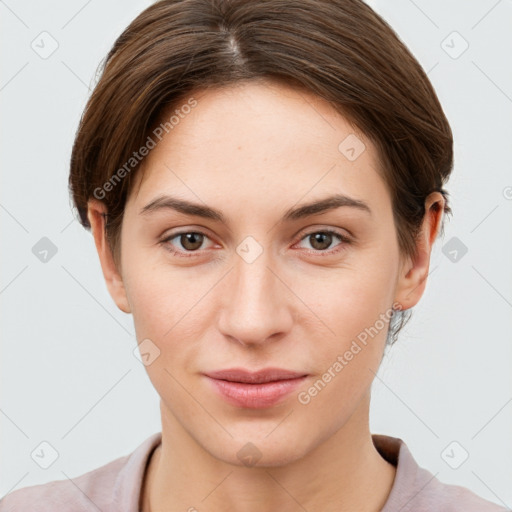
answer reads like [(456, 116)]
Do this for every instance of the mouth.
[(259, 389)]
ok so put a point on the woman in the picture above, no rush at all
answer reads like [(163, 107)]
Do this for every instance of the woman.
[(264, 184)]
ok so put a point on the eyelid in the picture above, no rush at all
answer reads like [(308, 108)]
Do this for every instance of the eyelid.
[(344, 240), (343, 233), (166, 241)]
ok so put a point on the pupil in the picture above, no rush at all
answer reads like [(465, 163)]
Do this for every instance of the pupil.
[(193, 240), (189, 240), (321, 236)]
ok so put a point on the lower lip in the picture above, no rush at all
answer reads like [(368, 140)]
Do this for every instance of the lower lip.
[(255, 396)]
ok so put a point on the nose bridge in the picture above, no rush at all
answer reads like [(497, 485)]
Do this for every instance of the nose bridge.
[(254, 307)]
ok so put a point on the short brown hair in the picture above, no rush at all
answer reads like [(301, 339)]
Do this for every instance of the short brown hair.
[(340, 50)]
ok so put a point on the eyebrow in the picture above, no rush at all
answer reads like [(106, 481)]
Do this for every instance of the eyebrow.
[(165, 202)]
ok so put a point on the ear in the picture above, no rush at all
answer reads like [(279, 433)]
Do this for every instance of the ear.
[(414, 271), (113, 278)]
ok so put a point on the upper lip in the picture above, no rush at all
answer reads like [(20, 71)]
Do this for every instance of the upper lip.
[(255, 377)]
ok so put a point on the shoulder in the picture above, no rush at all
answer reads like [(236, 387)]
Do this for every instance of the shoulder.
[(415, 489), (90, 491), (455, 498), (111, 487)]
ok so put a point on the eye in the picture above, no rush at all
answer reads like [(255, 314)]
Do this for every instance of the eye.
[(321, 240), (190, 241)]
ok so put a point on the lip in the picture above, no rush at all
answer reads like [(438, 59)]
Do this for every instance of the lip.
[(259, 389)]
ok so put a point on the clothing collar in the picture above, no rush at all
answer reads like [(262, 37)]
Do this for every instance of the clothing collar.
[(409, 475), (128, 486), (410, 478)]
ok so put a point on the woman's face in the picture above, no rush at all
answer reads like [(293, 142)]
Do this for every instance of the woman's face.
[(263, 282)]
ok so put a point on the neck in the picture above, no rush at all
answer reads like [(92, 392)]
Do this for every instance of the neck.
[(345, 472)]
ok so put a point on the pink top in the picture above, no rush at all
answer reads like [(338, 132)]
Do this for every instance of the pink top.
[(116, 486)]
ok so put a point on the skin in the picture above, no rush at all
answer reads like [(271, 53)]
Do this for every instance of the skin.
[(253, 151)]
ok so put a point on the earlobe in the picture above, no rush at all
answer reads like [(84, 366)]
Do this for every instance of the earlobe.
[(96, 211), (414, 270)]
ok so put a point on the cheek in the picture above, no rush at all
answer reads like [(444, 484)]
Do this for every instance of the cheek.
[(155, 294), (352, 311), (166, 309), (355, 317), (350, 299)]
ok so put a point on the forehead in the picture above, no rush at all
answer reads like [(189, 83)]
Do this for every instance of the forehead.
[(259, 139)]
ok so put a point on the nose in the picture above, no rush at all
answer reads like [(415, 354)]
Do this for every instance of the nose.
[(257, 305)]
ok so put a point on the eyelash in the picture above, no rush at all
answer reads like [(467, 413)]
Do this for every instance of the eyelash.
[(343, 238)]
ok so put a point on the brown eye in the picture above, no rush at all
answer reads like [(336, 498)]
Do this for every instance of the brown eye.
[(321, 241), (191, 241), (184, 242)]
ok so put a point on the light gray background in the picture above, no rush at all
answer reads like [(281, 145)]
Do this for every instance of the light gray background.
[(68, 373)]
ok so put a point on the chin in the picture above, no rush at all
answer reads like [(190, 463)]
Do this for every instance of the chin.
[(256, 449)]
